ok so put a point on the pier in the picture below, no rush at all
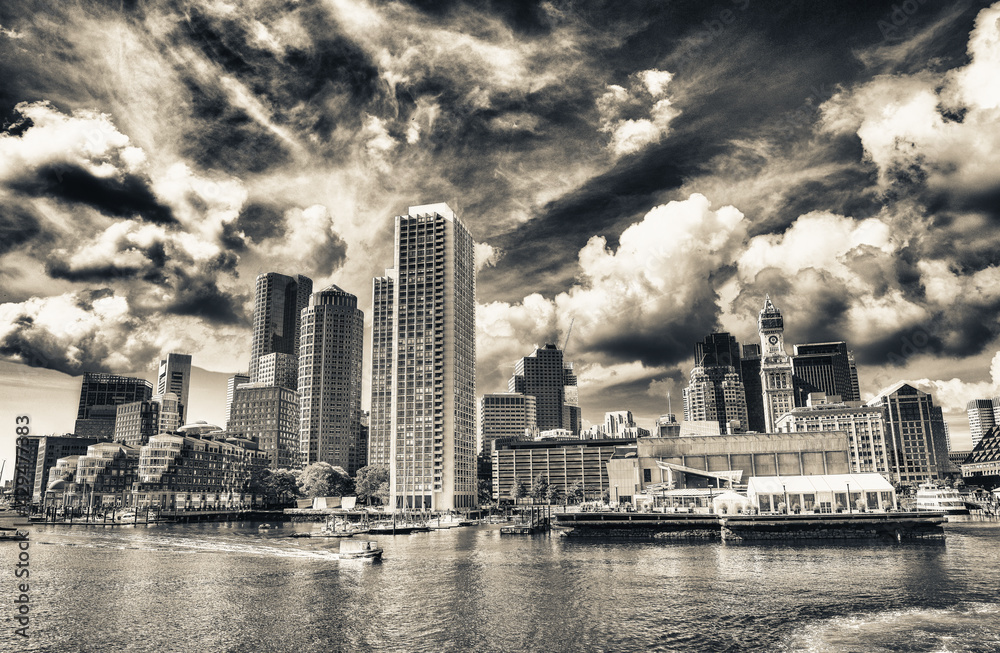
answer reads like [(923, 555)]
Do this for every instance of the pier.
[(733, 528)]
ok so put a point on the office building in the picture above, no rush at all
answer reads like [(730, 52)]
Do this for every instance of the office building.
[(100, 396), (175, 376), (278, 369), (432, 379), (278, 304), (716, 395), (983, 462), (777, 389), (915, 434), (544, 375), (667, 426), (508, 415), (330, 360), (268, 416), (234, 382), (864, 426), (983, 416), (825, 367)]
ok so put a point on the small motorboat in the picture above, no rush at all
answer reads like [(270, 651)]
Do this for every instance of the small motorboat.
[(265, 527), (360, 549)]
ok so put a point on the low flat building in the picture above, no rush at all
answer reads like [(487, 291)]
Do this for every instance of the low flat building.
[(723, 461), (821, 493), (984, 461), (564, 463)]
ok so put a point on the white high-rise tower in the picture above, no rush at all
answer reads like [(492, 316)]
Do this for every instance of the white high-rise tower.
[(428, 363), (775, 366)]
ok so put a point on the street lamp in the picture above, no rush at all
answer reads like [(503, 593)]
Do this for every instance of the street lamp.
[(850, 510), (785, 492)]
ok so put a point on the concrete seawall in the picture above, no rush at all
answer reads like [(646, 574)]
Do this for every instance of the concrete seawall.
[(643, 526)]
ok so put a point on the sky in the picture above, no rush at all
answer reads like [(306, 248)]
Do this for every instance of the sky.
[(645, 171)]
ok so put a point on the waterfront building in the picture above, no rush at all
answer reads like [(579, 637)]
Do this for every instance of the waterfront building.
[(380, 432), (278, 304), (234, 382), (822, 494), (100, 395), (752, 390), (983, 415), (915, 434), (269, 416), (330, 361), (105, 474), (49, 450), (506, 415), (825, 367), (660, 464), (775, 366), (25, 460), (983, 463), (432, 376), (175, 376), (544, 375), (192, 470), (864, 426), (564, 464)]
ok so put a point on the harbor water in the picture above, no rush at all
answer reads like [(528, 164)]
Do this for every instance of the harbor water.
[(228, 587)]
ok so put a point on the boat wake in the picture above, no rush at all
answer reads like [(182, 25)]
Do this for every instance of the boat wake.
[(965, 627)]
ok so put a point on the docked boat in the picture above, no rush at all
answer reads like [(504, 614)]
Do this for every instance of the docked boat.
[(388, 528), (265, 527), (448, 521), (12, 535), (360, 549), (126, 517), (933, 498)]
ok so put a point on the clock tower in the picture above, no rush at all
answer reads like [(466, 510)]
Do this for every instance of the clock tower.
[(775, 366)]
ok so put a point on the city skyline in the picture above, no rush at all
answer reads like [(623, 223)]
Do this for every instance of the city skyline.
[(645, 175)]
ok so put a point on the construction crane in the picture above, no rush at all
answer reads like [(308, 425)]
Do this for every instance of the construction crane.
[(568, 332)]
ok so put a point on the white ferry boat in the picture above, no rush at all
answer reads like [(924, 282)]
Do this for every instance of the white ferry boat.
[(931, 497)]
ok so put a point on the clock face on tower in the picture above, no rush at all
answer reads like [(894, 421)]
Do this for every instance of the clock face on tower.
[(773, 340)]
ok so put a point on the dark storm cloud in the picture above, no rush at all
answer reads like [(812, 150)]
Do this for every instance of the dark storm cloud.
[(124, 196), (18, 225), (201, 297), (259, 221)]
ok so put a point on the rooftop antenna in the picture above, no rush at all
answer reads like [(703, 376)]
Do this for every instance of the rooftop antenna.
[(670, 408)]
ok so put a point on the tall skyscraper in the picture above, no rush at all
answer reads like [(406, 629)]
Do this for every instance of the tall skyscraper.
[(136, 422), (983, 416), (775, 366), (175, 377), (231, 385), (100, 396), (750, 365), (432, 432), (544, 375), (330, 359), (278, 304), (380, 422), (716, 391), (915, 434), (825, 367)]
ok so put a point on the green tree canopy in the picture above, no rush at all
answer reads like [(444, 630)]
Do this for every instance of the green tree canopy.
[(324, 480), (575, 493), (553, 494), (368, 480), (539, 488), (518, 490)]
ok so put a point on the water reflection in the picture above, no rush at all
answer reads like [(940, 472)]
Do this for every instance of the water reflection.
[(226, 587)]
